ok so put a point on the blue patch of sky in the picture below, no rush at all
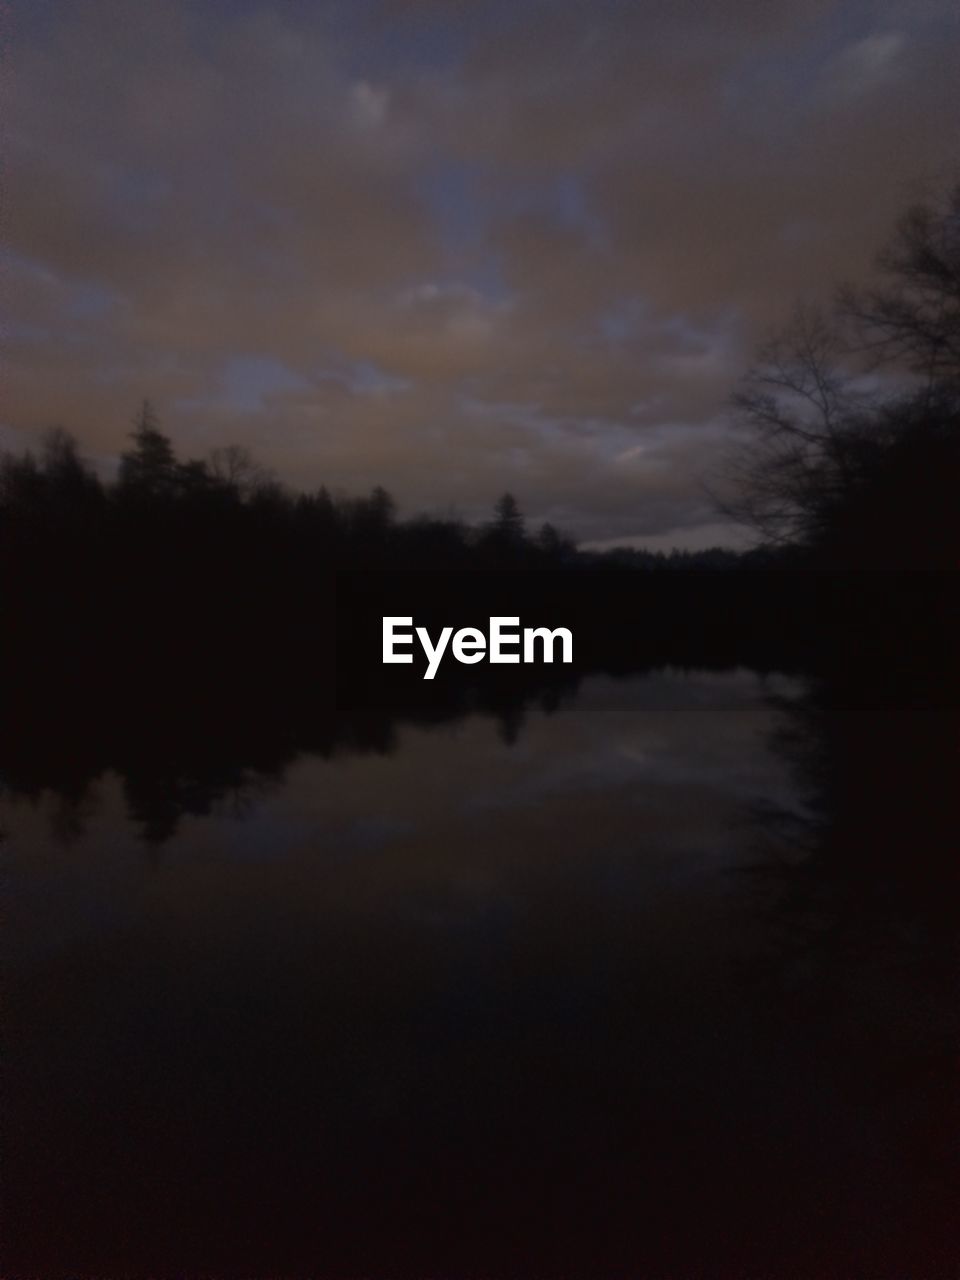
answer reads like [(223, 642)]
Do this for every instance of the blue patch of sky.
[(467, 204), (453, 192), (247, 382), (559, 197), (623, 320), (364, 378), (90, 302), (138, 186), (83, 299), (566, 193), (22, 264)]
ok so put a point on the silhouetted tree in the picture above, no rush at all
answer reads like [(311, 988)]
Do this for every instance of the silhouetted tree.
[(913, 314), (806, 430), (65, 470), (150, 466), (235, 468), (503, 543), (374, 516), (856, 478), (193, 479), (21, 485), (552, 544), (508, 521)]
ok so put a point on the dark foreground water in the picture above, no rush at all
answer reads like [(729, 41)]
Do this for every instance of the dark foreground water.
[(660, 982)]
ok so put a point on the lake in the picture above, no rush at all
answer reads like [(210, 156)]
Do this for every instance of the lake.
[(653, 977)]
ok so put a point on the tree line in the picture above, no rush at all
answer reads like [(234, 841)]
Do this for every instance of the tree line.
[(56, 495), (850, 458)]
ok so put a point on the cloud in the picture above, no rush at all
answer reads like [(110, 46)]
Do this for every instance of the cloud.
[(449, 248), (865, 65)]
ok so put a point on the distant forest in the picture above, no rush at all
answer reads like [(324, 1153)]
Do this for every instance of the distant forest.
[(851, 460)]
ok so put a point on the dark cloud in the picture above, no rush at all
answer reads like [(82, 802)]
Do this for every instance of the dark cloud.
[(450, 248)]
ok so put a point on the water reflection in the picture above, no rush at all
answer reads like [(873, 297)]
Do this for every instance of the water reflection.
[(179, 750), (651, 980)]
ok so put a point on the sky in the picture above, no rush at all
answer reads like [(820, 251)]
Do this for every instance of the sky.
[(446, 246)]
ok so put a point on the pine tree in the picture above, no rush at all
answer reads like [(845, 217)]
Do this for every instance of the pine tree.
[(508, 520), (150, 466)]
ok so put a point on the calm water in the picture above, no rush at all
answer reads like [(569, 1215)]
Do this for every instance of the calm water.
[(587, 992)]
